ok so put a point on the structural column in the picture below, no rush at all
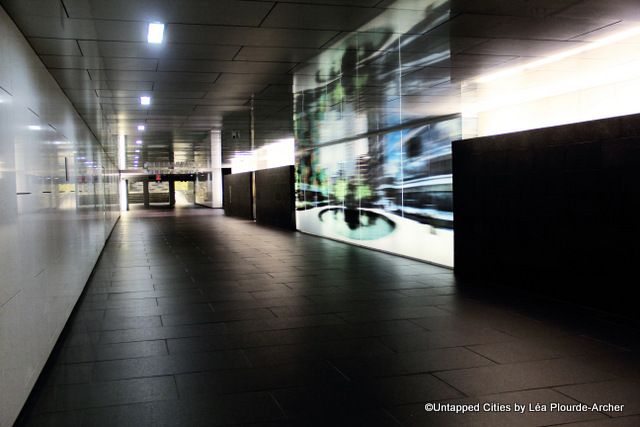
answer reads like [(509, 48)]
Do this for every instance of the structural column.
[(145, 189), (216, 169), (172, 192)]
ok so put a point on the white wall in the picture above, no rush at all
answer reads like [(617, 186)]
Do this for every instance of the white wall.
[(53, 220)]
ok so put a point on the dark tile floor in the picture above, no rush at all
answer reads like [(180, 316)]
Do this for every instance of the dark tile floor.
[(193, 318)]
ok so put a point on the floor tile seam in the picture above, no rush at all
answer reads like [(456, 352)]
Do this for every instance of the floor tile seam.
[(570, 423), (382, 405), (125, 329), (64, 363), (428, 372), (614, 378), (594, 339), (81, 309), (373, 319), (238, 333), (141, 298), (64, 411), (220, 370), (82, 409), (109, 381), (579, 401), (93, 382), (116, 268), (467, 368), (468, 347), (284, 414), (252, 346), (513, 364), (215, 322), (259, 389), (549, 387), (540, 359)]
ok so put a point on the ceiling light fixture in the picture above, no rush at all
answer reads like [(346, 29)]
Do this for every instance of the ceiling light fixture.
[(155, 35), (139, 142), (145, 100), (141, 128)]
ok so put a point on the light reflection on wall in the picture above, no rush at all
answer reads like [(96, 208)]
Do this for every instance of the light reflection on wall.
[(598, 80), (276, 154)]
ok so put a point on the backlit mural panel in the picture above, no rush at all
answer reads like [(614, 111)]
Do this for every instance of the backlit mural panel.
[(373, 140)]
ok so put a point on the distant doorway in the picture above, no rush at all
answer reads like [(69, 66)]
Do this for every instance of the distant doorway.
[(185, 193)]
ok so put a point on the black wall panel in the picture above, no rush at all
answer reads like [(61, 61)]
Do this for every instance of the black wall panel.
[(238, 199), (556, 210), (275, 197)]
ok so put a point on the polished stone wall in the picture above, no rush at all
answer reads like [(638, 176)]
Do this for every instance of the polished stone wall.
[(275, 198), (59, 202), (552, 210), (238, 195)]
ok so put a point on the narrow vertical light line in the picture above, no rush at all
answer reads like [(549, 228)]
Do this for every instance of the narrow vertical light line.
[(253, 124), (401, 130), (357, 74)]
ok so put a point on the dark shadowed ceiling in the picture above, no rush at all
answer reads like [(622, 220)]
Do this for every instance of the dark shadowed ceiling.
[(219, 54)]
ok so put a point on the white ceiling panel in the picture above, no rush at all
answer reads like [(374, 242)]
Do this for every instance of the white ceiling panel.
[(236, 67), (319, 17), (522, 47), (496, 26), (278, 54), (173, 85), (218, 12), (531, 8), (83, 62), (43, 8), (86, 29), (156, 76), (55, 46), (617, 10), (146, 50), (248, 36)]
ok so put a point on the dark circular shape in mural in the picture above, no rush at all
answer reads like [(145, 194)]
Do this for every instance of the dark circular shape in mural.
[(357, 224)]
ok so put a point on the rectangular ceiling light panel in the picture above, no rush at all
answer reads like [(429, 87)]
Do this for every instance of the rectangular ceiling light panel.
[(155, 34)]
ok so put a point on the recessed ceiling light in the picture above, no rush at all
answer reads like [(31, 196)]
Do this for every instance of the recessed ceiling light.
[(139, 142), (33, 127), (155, 34), (137, 151), (141, 128), (145, 100)]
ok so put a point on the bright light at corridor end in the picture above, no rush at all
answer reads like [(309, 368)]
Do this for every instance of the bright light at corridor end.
[(145, 100), (155, 35)]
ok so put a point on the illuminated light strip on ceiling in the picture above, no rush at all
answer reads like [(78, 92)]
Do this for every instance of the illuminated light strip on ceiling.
[(554, 88), (559, 56)]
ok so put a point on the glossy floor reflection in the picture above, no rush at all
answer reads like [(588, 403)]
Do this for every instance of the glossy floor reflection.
[(193, 318)]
